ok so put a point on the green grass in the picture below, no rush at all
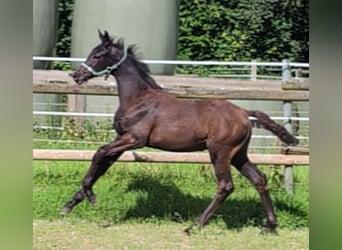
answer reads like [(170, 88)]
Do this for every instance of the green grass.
[(146, 206), (164, 192)]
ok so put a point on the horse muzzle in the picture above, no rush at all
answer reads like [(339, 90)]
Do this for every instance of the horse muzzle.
[(80, 78)]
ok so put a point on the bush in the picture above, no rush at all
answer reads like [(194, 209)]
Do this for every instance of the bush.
[(243, 30), (65, 14), (225, 30)]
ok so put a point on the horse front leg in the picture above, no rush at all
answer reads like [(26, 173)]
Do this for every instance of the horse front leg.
[(104, 157)]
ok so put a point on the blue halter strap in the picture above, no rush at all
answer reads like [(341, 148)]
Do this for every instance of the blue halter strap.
[(108, 70)]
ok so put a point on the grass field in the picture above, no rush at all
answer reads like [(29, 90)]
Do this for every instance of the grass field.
[(146, 206), (71, 234)]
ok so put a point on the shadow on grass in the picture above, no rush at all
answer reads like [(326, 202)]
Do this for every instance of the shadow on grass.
[(167, 201)]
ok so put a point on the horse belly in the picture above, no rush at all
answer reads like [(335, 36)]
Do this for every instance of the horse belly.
[(177, 142)]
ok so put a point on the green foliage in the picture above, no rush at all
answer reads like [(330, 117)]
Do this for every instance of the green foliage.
[(65, 13), (65, 66), (225, 30), (209, 31), (243, 30), (98, 132)]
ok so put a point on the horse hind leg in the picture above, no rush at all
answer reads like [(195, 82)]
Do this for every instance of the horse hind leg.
[(224, 188), (259, 181), (103, 158)]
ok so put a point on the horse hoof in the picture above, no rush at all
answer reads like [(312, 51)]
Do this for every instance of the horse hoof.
[(92, 200), (186, 231), (195, 227), (65, 210), (268, 230)]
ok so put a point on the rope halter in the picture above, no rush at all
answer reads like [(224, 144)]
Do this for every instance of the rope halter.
[(108, 70)]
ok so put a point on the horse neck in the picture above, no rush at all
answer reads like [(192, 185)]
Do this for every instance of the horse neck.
[(130, 83)]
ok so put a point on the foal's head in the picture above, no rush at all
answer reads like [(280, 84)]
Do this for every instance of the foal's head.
[(102, 60)]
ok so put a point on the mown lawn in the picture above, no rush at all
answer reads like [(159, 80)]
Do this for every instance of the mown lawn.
[(146, 206), (71, 234)]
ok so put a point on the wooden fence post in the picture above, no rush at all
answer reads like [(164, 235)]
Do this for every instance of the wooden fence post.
[(287, 109), (76, 103)]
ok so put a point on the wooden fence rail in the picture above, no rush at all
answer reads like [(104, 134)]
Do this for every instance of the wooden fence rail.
[(166, 157), (57, 82)]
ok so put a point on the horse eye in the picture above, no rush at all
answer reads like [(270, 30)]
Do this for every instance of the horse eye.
[(100, 54)]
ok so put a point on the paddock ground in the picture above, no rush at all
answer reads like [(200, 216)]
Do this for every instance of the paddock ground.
[(76, 234)]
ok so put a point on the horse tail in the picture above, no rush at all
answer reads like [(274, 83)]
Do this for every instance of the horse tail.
[(274, 127)]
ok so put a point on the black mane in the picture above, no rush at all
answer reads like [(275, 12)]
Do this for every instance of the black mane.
[(142, 67)]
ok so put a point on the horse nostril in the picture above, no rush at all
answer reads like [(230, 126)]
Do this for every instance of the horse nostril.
[(72, 74)]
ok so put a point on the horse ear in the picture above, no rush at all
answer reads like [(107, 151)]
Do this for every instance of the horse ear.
[(105, 38), (106, 35), (101, 36)]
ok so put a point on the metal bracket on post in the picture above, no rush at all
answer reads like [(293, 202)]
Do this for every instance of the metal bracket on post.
[(287, 109)]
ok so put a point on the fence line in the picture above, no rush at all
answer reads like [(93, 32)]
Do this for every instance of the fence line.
[(57, 113), (247, 90), (250, 91), (166, 157), (101, 143), (288, 91), (249, 66), (112, 131), (181, 62)]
